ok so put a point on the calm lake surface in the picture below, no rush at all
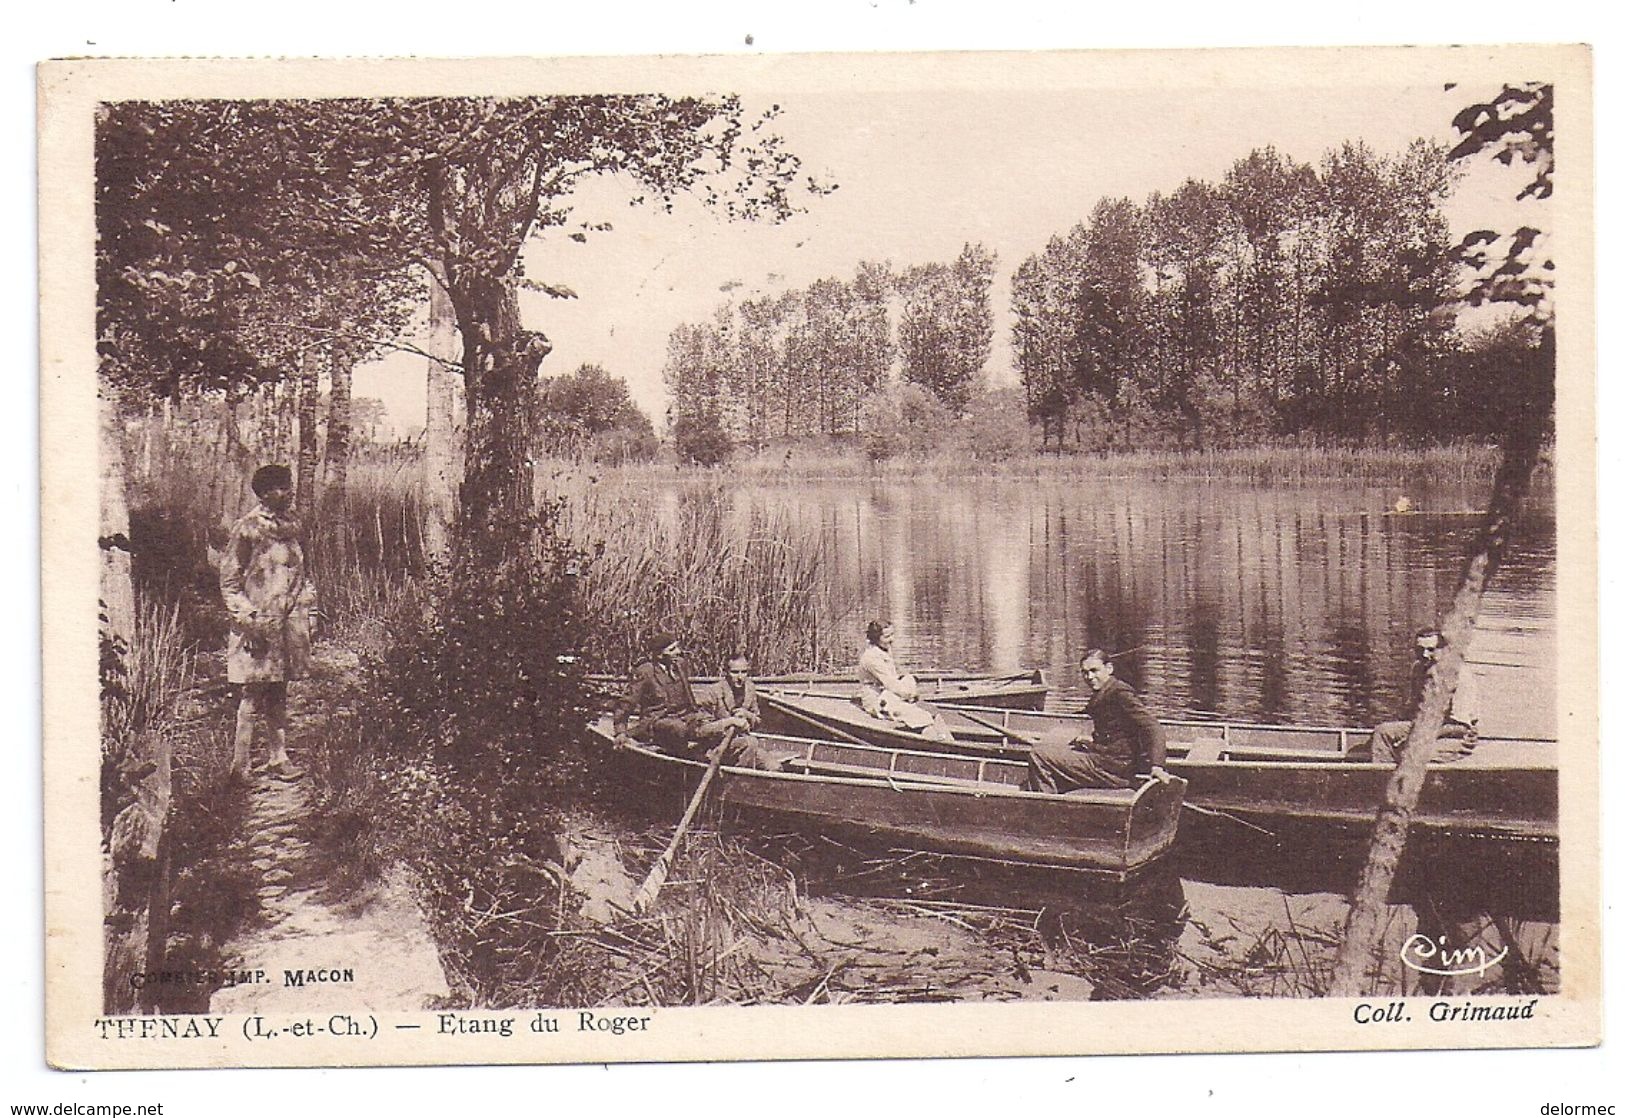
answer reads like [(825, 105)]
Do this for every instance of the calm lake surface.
[(1222, 598), (1287, 604)]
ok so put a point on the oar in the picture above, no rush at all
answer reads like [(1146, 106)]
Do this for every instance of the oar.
[(1003, 731), (825, 727), (1215, 813), (643, 900)]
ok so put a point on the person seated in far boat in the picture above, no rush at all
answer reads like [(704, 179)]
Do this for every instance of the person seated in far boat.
[(1459, 733), (884, 692), (730, 703), (1128, 745)]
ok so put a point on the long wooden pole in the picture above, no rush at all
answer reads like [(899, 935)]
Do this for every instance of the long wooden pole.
[(643, 900), (1003, 731), (1352, 971)]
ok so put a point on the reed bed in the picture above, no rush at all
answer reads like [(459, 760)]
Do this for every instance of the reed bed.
[(367, 549), (1282, 463), (672, 555), (157, 668), (143, 683), (210, 887), (687, 561)]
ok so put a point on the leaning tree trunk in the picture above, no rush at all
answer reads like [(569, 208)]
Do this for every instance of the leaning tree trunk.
[(1520, 453), (439, 463), (501, 360)]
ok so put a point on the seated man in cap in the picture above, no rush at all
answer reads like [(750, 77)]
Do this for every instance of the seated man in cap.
[(1128, 744), (1457, 735), (660, 708)]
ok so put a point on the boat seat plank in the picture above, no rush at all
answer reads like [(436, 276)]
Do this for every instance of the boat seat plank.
[(871, 772), (1211, 751)]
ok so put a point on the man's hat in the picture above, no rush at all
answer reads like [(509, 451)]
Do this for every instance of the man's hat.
[(658, 641)]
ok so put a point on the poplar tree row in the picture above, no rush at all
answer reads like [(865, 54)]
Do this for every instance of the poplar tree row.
[(805, 363), (1285, 299)]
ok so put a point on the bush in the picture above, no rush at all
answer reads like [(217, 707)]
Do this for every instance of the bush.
[(471, 719), (484, 669), (995, 427), (701, 439), (905, 419)]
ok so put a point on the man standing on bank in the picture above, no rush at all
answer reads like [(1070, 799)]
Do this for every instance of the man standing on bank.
[(271, 602), (1128, 743), (1459, 733)]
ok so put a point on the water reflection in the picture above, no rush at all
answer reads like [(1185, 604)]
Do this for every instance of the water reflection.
[(1276, 604), (1282, 605)]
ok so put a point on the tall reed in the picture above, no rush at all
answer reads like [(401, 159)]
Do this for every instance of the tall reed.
[(725, 581), (363, 546), (158, 667), (1284, 462), (366, 545)]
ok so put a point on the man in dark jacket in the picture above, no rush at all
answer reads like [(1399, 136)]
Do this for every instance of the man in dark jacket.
[(1128, 743), (1457, 735), (659, 708)]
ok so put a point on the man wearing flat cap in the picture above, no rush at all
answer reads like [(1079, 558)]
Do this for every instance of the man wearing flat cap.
[(659, 708)]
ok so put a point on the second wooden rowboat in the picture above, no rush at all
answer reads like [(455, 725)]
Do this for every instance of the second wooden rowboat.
[(1016, 691), (1012, 691), (1505, 789)]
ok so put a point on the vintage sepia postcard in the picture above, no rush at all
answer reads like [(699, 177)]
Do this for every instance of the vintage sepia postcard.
[(602, 560)]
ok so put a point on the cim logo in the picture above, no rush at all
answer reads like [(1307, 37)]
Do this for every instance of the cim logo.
[(1433, 957)]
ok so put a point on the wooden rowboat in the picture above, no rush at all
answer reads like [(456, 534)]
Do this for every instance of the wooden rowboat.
[(1505, 789), (965, 806), (1014, 691)]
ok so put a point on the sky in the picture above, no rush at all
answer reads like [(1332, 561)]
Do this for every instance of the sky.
[(920, 173)]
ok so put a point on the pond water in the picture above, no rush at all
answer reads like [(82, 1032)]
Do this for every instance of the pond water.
[(1292, 604), (1289, 604)]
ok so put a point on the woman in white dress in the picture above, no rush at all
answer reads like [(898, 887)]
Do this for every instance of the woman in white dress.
[(887, 693)]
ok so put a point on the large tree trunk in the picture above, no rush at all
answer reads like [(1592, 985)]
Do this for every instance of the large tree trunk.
[(1352, 975), (136, 773), (338, 417), (239, 452), (439, 463), (287, 408), (309, 390), (501, 360)]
